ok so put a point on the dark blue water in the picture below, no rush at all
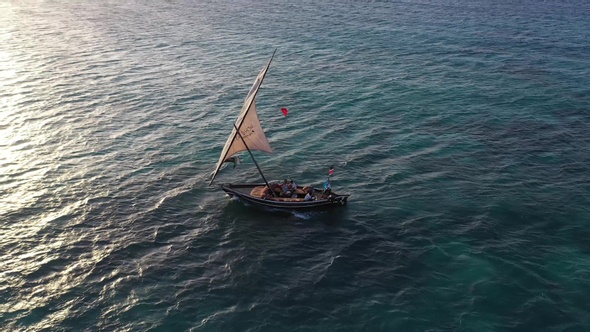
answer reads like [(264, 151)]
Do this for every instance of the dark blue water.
[(460, 129)]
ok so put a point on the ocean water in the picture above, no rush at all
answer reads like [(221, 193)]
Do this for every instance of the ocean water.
[(461, 129)]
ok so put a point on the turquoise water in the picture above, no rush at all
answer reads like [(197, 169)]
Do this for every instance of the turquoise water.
[(460, 128)]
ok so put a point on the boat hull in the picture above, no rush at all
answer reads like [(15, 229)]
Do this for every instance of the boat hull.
[(243, 192)]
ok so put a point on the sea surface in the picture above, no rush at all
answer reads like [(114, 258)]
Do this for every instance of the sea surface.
[(461, 128)]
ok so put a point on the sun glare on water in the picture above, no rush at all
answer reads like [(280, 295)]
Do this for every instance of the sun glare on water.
[(14, 139)]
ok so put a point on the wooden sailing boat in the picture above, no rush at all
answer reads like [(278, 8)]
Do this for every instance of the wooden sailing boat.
[(247, 135)]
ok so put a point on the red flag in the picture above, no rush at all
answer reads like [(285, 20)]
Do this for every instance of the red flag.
[(285, 111)]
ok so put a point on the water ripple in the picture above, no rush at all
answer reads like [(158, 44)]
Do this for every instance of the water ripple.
[(459, 128)]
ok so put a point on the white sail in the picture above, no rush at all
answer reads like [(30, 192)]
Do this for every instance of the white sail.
[(249, 126)]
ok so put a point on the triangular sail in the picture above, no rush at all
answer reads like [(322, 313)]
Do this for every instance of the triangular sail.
[(249, 126)]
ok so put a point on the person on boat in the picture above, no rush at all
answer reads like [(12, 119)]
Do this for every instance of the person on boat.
[(292, 188), (285, 191), (327, 187), (276, 188), (292, 185), (309, 195)]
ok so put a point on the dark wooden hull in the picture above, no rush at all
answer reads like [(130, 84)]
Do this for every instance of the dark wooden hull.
[(243, 192)]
